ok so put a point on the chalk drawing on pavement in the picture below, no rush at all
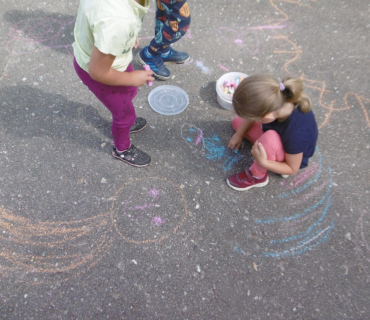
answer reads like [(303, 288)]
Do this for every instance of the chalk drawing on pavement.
[(362, 239), (41, 252), (210, 147), (39, 34), (300, 230)]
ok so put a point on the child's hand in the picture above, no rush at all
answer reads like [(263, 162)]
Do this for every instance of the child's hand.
[(259, 153), (235, 141), (140, 77), (137, 43)]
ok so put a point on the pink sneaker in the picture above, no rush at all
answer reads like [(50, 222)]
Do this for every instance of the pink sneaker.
[(244, 180)]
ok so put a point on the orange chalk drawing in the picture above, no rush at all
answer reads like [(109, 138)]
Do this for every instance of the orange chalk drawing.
[(39, 252)]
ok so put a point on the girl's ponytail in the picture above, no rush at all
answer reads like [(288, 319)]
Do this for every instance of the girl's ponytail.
[(293, 93)]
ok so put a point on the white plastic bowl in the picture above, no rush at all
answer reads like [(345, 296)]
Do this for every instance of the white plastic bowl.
[(223, 99)]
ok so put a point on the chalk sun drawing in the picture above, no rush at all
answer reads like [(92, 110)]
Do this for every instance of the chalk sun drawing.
[(42, 252), (211, 148), (301, 231)]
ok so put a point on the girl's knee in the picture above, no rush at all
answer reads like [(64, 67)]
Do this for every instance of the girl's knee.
[(236, 122), (270, 137), (273, 145)]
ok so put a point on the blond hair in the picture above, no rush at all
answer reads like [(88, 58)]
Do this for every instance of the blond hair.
[(258, 95)]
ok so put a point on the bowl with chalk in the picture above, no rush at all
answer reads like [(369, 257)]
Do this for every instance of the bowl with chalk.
[(225, 88)]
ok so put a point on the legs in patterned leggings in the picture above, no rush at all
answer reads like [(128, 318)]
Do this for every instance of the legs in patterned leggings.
[(172, 20)]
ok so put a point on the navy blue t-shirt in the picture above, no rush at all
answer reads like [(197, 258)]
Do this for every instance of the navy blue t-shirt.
[(298, 133)]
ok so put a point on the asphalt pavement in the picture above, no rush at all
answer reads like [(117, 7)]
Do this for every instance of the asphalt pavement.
[(84, 236)]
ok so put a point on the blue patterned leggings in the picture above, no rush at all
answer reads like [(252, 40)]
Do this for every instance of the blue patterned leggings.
[(172, 20)]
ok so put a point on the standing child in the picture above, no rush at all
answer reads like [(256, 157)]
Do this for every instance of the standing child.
[(288, 135), (172, 20), (105, 34)]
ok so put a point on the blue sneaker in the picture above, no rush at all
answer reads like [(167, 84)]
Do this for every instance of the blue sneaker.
[(156, 64), (175, 56)]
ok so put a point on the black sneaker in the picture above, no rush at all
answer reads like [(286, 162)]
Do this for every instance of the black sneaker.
[(140, 124), (132, 156)]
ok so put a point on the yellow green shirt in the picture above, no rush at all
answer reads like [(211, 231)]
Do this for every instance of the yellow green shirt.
[(110, 25)]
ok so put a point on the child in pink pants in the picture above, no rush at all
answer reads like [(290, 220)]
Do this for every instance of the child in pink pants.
[(277, 118)]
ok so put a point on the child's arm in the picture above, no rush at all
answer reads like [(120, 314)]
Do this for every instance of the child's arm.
[(237, 138), (100, 69), (290, 166)]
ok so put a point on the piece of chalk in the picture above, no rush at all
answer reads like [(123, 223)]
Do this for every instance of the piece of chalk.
[(146, 67)]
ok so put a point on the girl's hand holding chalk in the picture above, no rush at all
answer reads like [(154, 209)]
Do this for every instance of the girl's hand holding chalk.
[(235, 142), (146, 67), (139, 77)]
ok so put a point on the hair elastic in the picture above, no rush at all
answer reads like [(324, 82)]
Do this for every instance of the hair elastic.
[(282, 87)]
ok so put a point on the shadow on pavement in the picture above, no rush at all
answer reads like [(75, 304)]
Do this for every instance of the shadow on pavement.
[(28, 112), (36, 31)]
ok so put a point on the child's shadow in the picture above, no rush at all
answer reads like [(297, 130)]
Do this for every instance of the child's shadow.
[(36, 31), (30, 112)]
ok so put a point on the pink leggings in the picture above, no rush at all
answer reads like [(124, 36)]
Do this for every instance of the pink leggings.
[(270, 140), (118, 100)]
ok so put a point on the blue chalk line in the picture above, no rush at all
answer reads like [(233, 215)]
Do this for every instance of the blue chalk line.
[(304, 233)]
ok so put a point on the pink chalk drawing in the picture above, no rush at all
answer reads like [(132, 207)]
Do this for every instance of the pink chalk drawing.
[(308, 196), (242, 37), (303, 176), (224, 68), (157, 221), (239, 42), (199, 136), (37, 35), (139, 210), (154, 193), (148, 210)]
